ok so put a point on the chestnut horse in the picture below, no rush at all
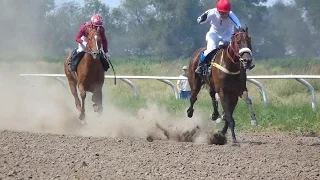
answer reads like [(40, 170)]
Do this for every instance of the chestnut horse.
[(227, 78), (89, 74)]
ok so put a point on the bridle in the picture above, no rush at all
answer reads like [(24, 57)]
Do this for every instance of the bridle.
[(94, 54), (237, 52)]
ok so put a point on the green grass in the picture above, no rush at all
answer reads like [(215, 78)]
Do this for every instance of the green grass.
[(289, 108), (299, 118)]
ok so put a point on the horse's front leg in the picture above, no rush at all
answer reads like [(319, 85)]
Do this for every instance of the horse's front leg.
[(233, 103), (229, 102), (83, 95), (246, 98), (215, 115), (97, 102)]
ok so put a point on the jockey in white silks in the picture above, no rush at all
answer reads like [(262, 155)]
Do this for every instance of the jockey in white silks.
[(222, 21)]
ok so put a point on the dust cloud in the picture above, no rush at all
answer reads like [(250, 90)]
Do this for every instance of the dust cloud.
[(42, 105), (24, 28)]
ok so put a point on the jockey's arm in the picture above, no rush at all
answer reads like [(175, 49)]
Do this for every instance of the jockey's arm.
[(104, 40), (235, 20), (205, 17), (80, 34)]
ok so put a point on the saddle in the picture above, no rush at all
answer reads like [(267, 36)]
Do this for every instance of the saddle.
[(210, 58), (76, 58)]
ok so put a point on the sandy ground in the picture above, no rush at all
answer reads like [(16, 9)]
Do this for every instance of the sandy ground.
[(259, 156), (40, 138)]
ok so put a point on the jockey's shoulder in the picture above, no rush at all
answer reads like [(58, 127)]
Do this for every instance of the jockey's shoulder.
[(212, 11), (86, 24)]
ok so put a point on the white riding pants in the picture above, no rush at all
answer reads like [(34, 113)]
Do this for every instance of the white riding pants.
[(214, 40), (82, 47)]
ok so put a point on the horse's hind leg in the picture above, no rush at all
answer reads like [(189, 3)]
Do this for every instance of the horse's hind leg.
[(215, 115), (97, 102), (246, 98), (194, 93), (83, 95)]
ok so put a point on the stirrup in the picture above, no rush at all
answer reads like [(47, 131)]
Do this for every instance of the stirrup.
[(199, 69)]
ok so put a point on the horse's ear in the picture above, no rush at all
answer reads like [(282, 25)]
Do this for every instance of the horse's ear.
[(247, 28), (235, 29)]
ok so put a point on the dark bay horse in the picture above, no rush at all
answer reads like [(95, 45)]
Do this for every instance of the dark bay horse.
[(227, 78), (89, 75)]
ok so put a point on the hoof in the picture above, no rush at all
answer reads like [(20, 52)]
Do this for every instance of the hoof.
[(95, 107), (149, 139), (218, 139), (254, 123), (219, 120), (82, 122), (215, 117), (235, 143), (82, 116), (98, 109), (190, 112)]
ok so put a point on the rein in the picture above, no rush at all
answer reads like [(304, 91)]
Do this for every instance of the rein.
[(234, 50), (236, 58)]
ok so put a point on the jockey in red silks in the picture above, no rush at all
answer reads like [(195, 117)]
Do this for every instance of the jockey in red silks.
[(81, 36), (222, 21)]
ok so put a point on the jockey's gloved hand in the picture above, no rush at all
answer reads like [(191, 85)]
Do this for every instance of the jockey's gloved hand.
[(203, 17), (84, 45), (199, 19)]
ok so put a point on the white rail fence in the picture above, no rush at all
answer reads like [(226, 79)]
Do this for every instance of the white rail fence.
[(166, 80)]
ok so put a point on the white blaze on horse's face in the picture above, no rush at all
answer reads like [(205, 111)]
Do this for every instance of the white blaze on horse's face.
[(96, 37), (95, 54)]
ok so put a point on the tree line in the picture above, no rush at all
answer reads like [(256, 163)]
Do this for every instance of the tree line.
[(157, 28)]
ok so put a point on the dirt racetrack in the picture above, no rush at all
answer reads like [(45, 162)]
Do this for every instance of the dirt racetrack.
[(40, 139), (260, 156)]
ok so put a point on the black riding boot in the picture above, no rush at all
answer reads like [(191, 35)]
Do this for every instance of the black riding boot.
[(200, 68), (104, 63), (71, 61)]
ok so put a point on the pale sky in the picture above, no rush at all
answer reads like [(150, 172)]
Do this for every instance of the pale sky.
[(111, 3), (270, 2), (115, 3)]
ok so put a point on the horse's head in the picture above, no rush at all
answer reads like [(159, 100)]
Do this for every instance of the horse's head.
[(241, 44), (94, 41)]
